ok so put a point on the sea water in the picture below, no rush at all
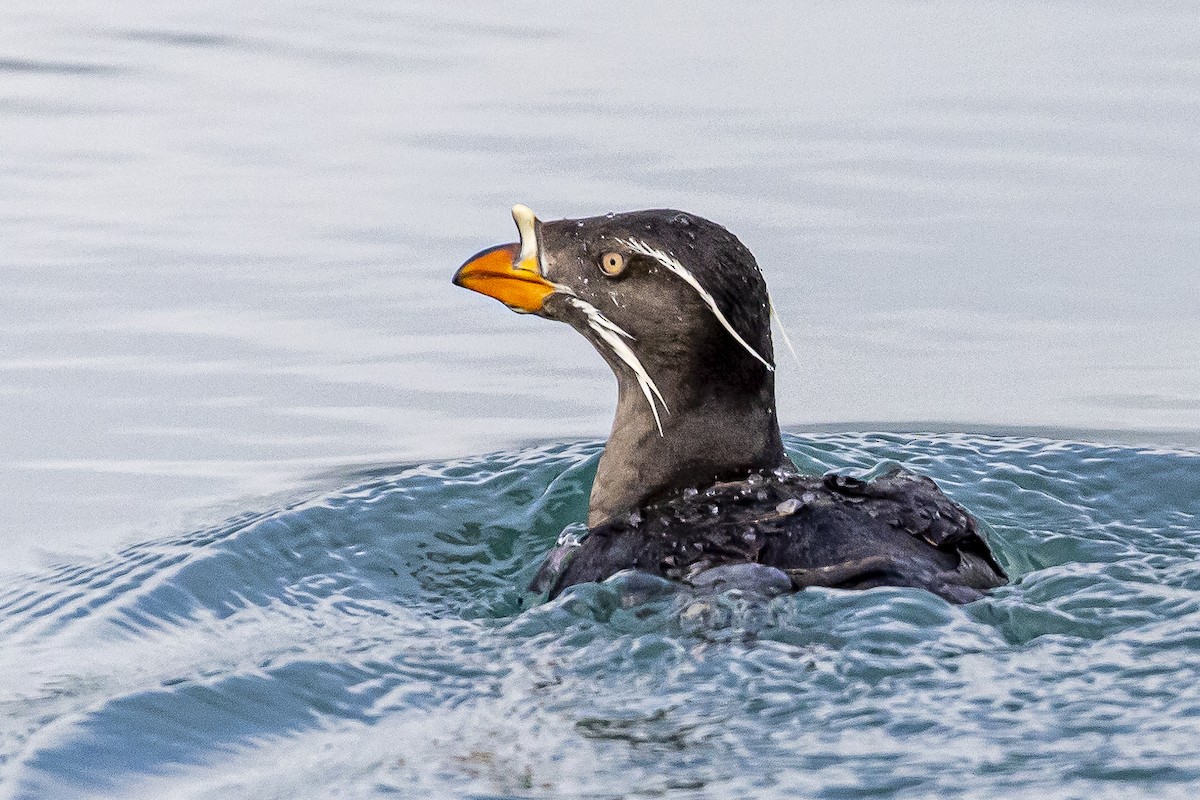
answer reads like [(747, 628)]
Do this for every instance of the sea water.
[(250, 546), (376, 640), (227, 230)]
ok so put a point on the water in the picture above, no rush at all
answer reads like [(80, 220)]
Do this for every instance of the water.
[(228, 231), (239, 557), (373, 640)]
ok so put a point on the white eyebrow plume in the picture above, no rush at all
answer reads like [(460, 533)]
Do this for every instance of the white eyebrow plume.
[(612, 335), (638, 246), (786, 339)]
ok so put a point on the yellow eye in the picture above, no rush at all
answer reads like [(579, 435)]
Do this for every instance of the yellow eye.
[(612, 263)]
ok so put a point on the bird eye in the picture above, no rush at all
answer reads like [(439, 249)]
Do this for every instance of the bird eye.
[(612, 263)]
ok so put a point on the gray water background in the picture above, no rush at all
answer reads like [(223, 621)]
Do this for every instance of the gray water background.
[(227, 229)]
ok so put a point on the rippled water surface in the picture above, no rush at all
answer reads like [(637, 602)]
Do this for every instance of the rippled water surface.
[(248, 546), (373, 639)]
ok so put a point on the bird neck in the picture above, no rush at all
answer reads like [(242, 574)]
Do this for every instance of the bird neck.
[(710, 433)]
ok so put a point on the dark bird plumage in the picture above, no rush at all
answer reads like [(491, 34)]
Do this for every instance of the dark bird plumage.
[(694, 476)]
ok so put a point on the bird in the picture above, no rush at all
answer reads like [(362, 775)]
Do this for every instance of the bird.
[(694, 484)]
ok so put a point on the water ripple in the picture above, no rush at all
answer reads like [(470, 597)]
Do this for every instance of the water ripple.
[(380, 632), (43, 67)]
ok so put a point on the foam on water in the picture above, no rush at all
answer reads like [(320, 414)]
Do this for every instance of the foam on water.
[(376, 639)]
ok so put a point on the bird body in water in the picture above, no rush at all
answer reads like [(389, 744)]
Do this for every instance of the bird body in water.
[(694, 484)]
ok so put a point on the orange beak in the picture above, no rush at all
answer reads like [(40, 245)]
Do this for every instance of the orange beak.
[(500, 272)]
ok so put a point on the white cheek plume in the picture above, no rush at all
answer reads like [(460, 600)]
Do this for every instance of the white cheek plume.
[(611, 334)]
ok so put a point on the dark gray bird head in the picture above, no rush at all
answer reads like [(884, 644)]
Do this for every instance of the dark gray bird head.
[(679, 309)]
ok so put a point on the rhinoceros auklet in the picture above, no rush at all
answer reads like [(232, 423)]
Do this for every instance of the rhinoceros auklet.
[(694, 484)]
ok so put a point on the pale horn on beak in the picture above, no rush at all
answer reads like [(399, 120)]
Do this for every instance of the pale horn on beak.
[(511, 273)]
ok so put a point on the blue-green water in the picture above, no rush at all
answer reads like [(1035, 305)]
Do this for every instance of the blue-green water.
[(371, 641)]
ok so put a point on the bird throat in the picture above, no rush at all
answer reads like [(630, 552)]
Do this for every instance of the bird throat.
[(707, 437)]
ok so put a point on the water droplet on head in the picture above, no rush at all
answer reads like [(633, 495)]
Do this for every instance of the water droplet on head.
[(635, 519), (609, 215), (691, 491), (754, 479)]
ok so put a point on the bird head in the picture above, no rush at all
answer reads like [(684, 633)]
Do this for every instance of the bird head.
[(674, 303), (679, 309)]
